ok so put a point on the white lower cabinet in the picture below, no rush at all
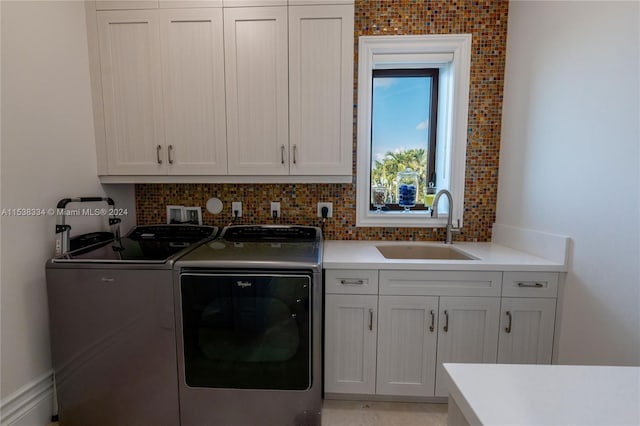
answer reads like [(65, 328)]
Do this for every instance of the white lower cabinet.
[(468, 333), (395, 344), (526, 330), (350, 343), (407, 336)]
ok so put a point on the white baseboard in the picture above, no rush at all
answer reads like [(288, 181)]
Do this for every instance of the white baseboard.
[(542, 244), (31, 405)]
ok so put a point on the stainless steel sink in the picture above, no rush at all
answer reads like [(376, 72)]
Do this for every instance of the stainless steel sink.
[(416, 251)]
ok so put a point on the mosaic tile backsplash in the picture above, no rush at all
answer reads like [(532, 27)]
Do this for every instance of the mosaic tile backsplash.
[(487, 21)]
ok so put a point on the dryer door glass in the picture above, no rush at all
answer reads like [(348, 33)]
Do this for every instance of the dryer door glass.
[(246, 331)]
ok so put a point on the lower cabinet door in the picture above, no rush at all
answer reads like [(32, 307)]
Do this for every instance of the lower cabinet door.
[(407, 338), (350, 343), (526, 330), (467, 332)]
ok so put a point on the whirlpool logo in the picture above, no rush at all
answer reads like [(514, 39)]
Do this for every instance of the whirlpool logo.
[(244, 284)]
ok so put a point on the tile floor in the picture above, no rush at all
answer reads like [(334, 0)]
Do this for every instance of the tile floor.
[(368, 413)]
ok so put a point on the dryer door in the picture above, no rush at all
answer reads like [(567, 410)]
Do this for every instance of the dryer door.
[(246, 331)]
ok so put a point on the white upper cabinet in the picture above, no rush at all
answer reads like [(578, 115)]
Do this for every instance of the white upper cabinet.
[(236, 90), (132, 91), (256, 82), (163, 91), (321, 89), (193, 81)]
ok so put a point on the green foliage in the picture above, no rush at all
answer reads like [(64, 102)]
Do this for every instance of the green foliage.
[(386, 171)]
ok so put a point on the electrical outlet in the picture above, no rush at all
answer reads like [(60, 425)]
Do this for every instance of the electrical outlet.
[(275, 209), (328, 206), (236, 206)]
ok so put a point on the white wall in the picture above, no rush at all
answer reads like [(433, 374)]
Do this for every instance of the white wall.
[(570, 161), (48, 153)]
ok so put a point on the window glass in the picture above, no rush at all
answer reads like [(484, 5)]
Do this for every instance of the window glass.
[(403, 130)]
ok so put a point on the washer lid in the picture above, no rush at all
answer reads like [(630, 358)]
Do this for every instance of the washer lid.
[(145, 244)]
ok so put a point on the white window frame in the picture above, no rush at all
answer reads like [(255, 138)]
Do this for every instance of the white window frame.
[(452, 54)]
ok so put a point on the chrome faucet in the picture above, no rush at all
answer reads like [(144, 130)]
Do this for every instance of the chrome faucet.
[(434, 213)]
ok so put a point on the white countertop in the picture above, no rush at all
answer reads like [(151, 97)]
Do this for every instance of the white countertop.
[(490, 257), (500, 394)]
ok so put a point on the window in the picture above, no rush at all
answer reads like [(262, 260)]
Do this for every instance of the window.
[(403, 134), (413, 96)]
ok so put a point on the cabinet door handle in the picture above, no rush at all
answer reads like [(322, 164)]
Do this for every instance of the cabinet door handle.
[(295, 150), (530, 284), (352, 282), (169, 154), (508, 329), (370, 319), (158, 149), (446, 321), (282, 154), (433, 321)]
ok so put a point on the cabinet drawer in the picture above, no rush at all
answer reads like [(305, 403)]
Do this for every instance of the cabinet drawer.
[(351, 281), (530, 284), (440, 283)]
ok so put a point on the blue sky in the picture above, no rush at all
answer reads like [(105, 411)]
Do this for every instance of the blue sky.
[(400, 114)]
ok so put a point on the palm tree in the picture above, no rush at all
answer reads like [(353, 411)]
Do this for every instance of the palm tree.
[(386, 171)]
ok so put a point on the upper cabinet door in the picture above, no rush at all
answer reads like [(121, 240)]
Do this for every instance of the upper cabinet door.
[(256, 81), (321, 89), (132, 92), (194, 99)]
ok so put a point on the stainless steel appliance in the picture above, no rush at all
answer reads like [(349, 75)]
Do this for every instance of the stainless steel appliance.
[(113, 328), (249, 324)]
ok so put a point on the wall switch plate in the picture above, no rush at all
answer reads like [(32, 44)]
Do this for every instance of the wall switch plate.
[(236, 206), (175, 214), (328, 206), (193, 215), (275, 209)]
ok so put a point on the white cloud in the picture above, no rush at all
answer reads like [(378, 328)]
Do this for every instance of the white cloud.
[(383, 82), (423, 125)]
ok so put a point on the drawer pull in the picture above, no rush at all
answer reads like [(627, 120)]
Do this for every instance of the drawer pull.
[(446, 321), (370, 319), (352, 282), (508, 329), (433, 321), (530, 284)]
